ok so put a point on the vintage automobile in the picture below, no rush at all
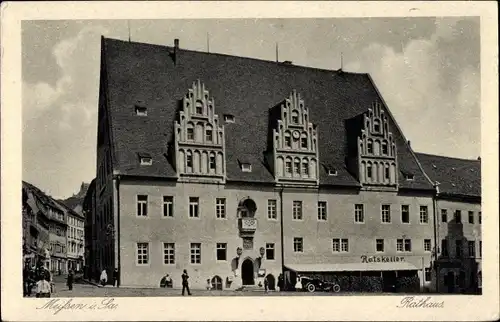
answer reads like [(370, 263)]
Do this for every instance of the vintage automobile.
[(314, 284)]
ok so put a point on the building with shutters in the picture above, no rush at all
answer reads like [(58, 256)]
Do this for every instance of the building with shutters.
[(236, 169)]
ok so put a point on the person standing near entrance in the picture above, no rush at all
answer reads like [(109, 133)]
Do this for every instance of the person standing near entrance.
[(70, 279), (185, 283)]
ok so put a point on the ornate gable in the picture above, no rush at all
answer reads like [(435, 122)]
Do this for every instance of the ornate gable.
[(199, 138), (377, 158), (294, 156)]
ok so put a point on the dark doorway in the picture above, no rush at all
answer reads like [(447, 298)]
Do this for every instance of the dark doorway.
[(247, 272), (217, 283), (389, 281), (271, 282), (450, 281)]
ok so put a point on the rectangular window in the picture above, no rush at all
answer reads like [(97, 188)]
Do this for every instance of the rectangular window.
[(479, 217), (322, 210), (405, 214), (359, 215), (288, 167), (193, 207), (427, 276), (169, 253), (427, 245), (298, 244), (458, 216), (220, 208), (399, 245), (444, 248), (195, 253), (344, 245), (303, 142), (296, 167), (458, 248), (424, 215), (387, 174), (297, 210), (189, 162), (407, 245), (471, 217), (288, 141), (142, 253), (168, 206), (386, 213), (221, 251), (444, 215), (305, 168), (142, 205), (336, 245), (209, 135), (472, 248), (270, 251), (190, 134), (212, 162), (369, 171), (379, 245), (272, 209)]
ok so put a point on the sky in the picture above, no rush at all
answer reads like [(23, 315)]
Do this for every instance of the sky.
[(427, 70)]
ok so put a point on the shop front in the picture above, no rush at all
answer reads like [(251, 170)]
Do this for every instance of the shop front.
[(363, 274)]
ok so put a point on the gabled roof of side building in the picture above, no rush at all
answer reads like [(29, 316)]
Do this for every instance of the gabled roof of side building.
[(456, 177), (243, 87)]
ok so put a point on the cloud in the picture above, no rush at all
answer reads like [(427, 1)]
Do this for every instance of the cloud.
[(436, 103), (57, 117)]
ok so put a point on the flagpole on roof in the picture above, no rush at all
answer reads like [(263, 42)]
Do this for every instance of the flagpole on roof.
[(128, 27)]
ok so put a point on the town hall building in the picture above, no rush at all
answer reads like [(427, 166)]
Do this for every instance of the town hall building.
[(237, 169)]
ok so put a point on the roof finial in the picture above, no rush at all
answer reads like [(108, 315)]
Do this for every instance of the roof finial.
[(128, 27), (277, 58)]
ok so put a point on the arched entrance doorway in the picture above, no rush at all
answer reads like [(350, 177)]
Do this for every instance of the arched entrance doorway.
[(247, 275), (217, 283)]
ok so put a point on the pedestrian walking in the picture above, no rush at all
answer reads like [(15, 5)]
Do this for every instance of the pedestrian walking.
[(185, 283), (43, 288), (266, 284), (104, 277), (70, 280), (280, 282), (116, 276)]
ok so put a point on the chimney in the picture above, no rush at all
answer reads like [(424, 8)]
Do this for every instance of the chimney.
[(176, 50), (478, 158)]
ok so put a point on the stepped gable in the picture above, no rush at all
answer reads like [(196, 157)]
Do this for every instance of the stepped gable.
[(243, 87)]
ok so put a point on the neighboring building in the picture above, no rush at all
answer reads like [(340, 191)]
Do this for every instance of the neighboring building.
[(75, 247), (36, 225), (458, 217), (51, 215), (236, 168), (90, 234)]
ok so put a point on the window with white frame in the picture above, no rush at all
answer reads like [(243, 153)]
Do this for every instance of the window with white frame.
[(142, 253), (344, 245), (168, 206), (336, 245), (270, 251), (142, 205), (272, 206), (220, 208), (298, 245), (359, 215), (288, 167), (297, 210), (444, 215), (305, 168), (403, 245), (169, 253), (221, 251), (427, 245), (340, 245), (386, 213), (195, 253), (379, 245), (424, 215), (322, 210), (194, 207), (405, 214)]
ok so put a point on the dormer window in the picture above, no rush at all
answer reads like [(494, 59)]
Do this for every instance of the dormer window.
[(295, 117), (145, 159), (228, 118), (408, 176), (246, 167), (199, 107), (332, 172), (141, 111)]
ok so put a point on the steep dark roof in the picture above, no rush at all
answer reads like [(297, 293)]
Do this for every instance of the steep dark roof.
[(460, 177), (43, 199), (244, 87)]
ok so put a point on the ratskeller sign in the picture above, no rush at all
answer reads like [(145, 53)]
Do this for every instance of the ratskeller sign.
[(381, 259)]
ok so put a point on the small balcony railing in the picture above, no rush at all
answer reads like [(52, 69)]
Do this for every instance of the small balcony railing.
[(247, 225)]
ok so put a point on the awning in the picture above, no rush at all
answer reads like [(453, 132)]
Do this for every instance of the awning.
[(352, 267)]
